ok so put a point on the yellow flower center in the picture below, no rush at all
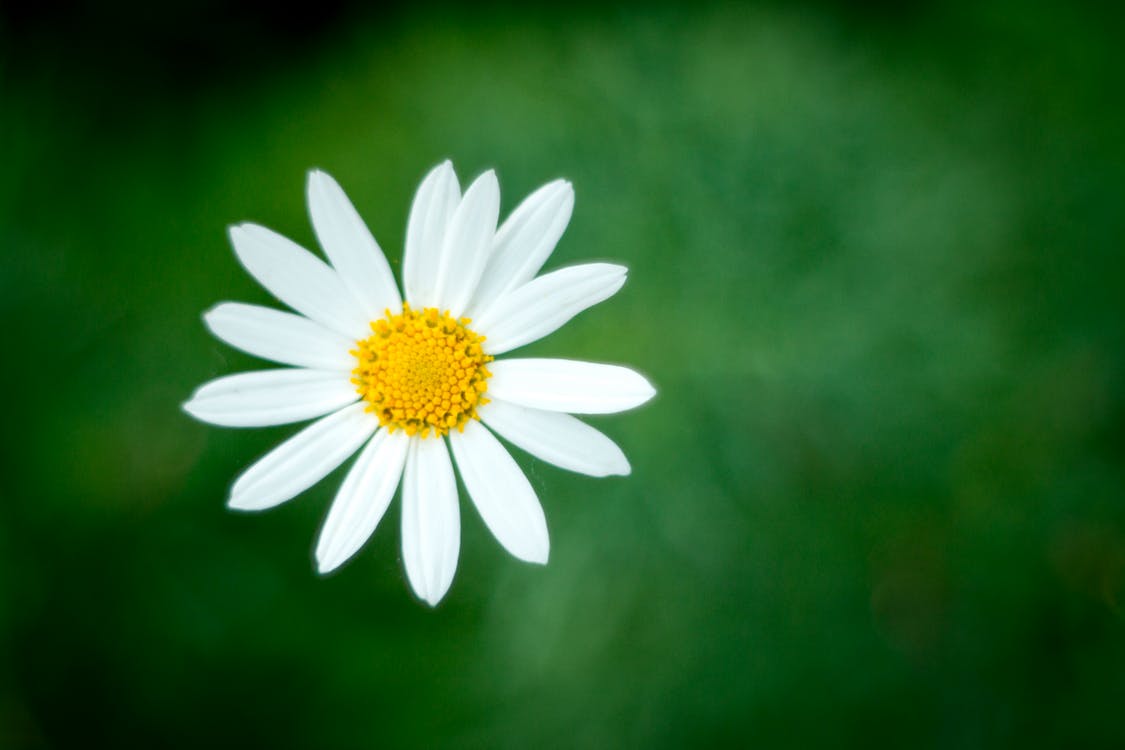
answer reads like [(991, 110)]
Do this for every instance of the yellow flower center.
[(422, 371)]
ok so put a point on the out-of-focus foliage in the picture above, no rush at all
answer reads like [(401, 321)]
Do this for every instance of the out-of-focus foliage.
[(876, 274)]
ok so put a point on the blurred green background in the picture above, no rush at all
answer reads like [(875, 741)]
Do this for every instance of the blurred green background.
[(876, 274)]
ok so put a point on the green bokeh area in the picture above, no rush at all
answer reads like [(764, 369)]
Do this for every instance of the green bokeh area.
[(875, 273)]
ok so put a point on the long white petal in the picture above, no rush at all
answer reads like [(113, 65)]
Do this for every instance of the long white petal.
[(362, 500), (524, 242), (431, 520), (269, 397), (298, 278), (433, 206), (280, 336), (568, 385), (544, 304), (557, 438), (501, 492), (348, 243), (303, 460), (467, 244)]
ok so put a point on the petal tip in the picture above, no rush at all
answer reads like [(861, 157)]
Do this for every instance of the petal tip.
[(326, 564), (320, 180), (645, 389), (537, 552), (431, 597), (619, 467), (235, 502), (488, 181), (211, 313), (241, 238)]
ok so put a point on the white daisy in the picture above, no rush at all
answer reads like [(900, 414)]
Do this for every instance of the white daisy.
[(398, 377)]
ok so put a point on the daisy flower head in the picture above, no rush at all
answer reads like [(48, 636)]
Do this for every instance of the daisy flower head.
[(409, 379)]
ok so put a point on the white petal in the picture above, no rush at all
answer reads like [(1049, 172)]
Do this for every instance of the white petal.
[(467, 244), (362, 500), (431, 520), (524, 242), (349, 245), (557, 438), (501, 492), (280, 336), (545, 304), (568, 385), (303, 460), (298, 278), (269, 397), (433, 206)]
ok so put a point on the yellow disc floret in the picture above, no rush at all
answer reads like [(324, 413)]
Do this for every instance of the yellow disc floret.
[(422, 371)]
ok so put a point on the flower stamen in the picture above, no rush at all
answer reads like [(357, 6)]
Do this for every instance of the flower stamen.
[(422, 371)]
